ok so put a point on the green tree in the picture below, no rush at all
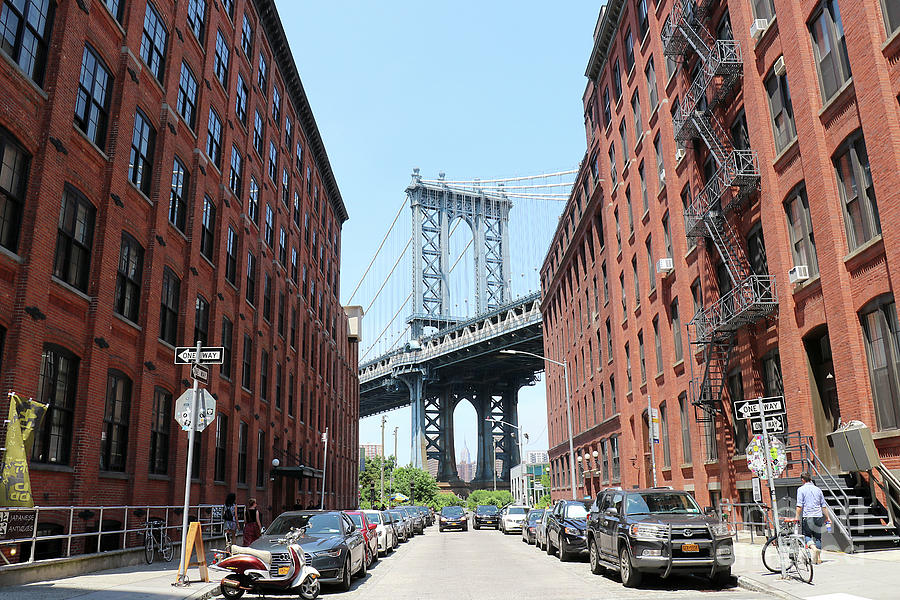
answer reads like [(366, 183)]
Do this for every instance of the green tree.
[(544, 502), (446, 499), (424, 485), (371, 475), (498, 498)]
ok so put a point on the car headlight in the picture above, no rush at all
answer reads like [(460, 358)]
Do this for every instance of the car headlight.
[(443, 518), (572, 531), (720, 530), (329, 553), (641, 531)]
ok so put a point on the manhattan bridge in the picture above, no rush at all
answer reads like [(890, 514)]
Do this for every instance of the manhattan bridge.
[(449, 288)]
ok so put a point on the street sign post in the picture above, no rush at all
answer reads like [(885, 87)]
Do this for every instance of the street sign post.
[(775, 424), (761, 417), (213, 355)]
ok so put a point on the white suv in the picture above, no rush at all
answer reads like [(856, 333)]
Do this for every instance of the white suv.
[(512, 518)]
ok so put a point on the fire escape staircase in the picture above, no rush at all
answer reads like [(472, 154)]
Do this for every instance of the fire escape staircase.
[(752, 297)]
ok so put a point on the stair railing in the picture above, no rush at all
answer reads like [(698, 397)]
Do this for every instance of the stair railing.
[(890, 486)]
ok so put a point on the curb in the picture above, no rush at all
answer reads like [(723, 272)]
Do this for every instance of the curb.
[(757, 586), (204, 594)]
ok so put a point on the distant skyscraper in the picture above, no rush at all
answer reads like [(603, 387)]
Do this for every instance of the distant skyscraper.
[(465, 468), (371, 450), (537, 458)]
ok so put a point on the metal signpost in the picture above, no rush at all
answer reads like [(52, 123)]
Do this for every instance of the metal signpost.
[(324, 467), (653, 434)]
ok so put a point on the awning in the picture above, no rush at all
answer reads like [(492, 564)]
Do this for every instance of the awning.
[(297, 472)]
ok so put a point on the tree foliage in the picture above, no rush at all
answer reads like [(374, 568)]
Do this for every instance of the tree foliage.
[(544, 502), (498, 498), (446, 499), (371, 476)]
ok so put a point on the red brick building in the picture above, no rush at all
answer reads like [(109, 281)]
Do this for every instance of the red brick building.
[(807, 98), (164, 181)]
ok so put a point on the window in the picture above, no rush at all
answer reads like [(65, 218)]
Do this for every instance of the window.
[(208, 228), (187, 96), (612, 394), (676, 332), (247, 37), (782, 111), (196, 13), (270, 226), (221, 447), (25, 28), (614, 453), (128, 279), (657, 342), (756, 251), (14, 163), (263, 75), (709, 439), (258, 132), (260, 459), (667, 235), (623, 136), (227, 344), (228, 5), (92, 102), (638, 118), (684, 413), (652, 89), (168, 313), (236, 176), (278, 375), (605, 284), (763, 9), (178, 196), (624, 299), (641, 357), (293, 327), (114, 437), (740, 136), (297, 209), (273, 161), (288, 132), (253, 201), (267, 297), (660, 165), (115, 8), (644, 201), (607, 111), (231, 256), (281, 323), (604, 456), (697, 295), (629, 52), (882, 337), (140, 166), (891, 11), (159, 432), (240, 104), (830, 49), (617, 81), (285, 186), (628, 379), (153, 42), (251, 278), (637, 284), (736, 394), (294, 265), (857, 192), (276, 104), (74, 239), (56, 389), (247, 364), (242, 454), (803, 242), (214, 138), (282, 247), (770, 371), (612, 165), (724, 30), (290, 402), (664, 437), (221, 59)]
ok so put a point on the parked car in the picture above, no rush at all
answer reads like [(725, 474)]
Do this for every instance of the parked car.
[(417, 523), (384, 532), (335, 545), (565, 528), (512, 518), (659, 531), (402, 523), (369, 531), (540, 530), (486, 515), (390, 523), (427, 515), (529, 528), (453, 517)]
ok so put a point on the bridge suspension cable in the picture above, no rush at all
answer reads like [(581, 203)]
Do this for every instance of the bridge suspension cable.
[(384, 283), (380, 246), (378, 337), (505, 179)]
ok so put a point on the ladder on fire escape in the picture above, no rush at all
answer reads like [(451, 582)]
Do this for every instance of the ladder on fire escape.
[(752, 297)]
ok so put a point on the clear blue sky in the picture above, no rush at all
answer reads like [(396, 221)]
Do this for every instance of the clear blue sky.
[(477, 89)]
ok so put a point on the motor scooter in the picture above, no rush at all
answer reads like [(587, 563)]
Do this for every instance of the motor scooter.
[(262, 572)]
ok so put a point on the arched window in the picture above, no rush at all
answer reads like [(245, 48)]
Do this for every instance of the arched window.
[(881, 332)]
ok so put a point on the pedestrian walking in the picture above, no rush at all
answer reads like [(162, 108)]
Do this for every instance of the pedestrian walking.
[(229, 515), (812, 512), (252, 522)]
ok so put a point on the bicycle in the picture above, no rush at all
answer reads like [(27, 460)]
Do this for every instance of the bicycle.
[(156, 541), (795, 551)]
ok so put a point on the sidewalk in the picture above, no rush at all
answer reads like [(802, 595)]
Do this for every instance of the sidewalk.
[(865, 576), (139, 582)]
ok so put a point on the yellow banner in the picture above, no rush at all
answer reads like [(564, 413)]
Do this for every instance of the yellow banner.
[(24, 418)]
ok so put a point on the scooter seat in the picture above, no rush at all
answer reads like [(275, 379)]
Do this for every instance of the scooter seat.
[(262, 555)]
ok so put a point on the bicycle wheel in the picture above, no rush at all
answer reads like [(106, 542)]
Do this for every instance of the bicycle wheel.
[(770, 556), (804, 564), (149, 549), (167, 549)]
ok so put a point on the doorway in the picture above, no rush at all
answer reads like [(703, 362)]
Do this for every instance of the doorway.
[(823, 391), (647, 478)]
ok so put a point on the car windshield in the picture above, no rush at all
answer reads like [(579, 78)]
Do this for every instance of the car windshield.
[(516, 510), (576, 511), (488, 509), (535, 516), (373, 516), (315, 524), (651, 503), (357, 520), (399, 515), (452, 511)]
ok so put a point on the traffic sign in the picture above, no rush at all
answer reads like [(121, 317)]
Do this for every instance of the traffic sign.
[(775, 424), (206, 410), (757, 489), (749, 409), (214, 355), (200, 373), (654, 425)]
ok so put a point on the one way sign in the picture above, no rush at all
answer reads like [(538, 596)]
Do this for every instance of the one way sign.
[(775, 425), (749, 409), (208, 356)]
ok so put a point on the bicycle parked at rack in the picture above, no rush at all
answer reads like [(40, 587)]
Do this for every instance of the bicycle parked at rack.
[(156, 541), (795, 553)]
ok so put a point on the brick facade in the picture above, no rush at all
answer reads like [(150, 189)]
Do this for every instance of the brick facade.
[(788, 351), (44, 309)]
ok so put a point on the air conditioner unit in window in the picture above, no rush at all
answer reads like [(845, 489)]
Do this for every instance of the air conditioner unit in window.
[(798, 273), (679, 153), (758, 27), (779, 67), (665, 266)]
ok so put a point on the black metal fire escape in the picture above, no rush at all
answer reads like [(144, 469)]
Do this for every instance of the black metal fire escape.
[(752, 297)]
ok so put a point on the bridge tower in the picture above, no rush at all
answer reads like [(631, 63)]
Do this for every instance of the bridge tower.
[(434, 207)]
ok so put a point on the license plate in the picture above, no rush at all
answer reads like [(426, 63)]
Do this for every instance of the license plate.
[(283, 570), (690, 548)]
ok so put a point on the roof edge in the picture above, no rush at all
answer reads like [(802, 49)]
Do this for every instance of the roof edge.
[(610, 15)]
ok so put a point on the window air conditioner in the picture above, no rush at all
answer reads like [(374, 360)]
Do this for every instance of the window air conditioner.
[(779, 67), (798, 273), (679, 153), (665, 266), (758, 27)]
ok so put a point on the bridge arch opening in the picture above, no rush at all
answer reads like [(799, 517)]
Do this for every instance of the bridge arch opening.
[(465, 439), (461, 275)]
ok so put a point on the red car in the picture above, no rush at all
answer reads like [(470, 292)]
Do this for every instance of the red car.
[(359, 519)]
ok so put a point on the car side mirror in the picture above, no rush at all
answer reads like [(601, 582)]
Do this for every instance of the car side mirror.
[(710, 511), (372, 526), (611, 512)]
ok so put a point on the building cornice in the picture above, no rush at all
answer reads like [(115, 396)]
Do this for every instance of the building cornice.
[(609, 22)]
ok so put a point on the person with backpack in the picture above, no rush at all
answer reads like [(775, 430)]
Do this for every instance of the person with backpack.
[(229, 515)]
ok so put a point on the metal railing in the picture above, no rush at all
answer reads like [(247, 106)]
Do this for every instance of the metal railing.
[(740, 168), (752, 297), (104, 527), (747, 511)]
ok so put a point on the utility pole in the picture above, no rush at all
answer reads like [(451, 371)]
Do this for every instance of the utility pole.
[(324, 467), (383, 421), (395, 458), (185, 554)]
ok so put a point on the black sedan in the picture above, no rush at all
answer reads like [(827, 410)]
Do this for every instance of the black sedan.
[(331, 542), (566, 529), (453, 517), (529, 528), (486, 515)]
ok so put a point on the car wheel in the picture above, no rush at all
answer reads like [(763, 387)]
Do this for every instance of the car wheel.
[(563, 553), (475, 526), (596, 567), (549, 547), (722, 578), (364, 567), (630, 576), (345, 576), (465, 527)]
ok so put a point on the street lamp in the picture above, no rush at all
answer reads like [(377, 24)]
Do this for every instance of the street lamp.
[(565, 367), (517, 427)]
